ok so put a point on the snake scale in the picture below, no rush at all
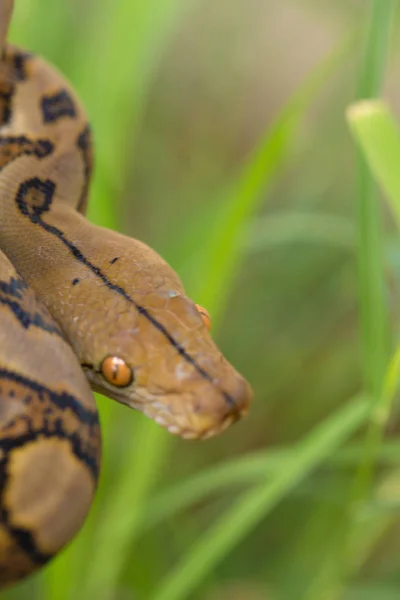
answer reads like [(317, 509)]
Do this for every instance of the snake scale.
[(81, 308)]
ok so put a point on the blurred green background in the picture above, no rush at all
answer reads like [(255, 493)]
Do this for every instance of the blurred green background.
[(221, 141)]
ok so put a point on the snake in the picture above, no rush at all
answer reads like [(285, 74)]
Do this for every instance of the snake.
[(82, 309)]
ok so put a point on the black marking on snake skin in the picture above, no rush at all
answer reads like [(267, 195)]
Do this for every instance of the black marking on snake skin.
[(75, 281), (87, 366), (57, 106), (15, 61), (47, 187), (23, 538), (114, 260), (20, 59), (5, 106), (43, 192), (11, 295), (40, 147), (84, 144), (62, 401), (12, 147), (14, 287), (30, 320)]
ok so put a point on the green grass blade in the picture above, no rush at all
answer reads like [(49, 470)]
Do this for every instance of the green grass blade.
[(378, 135), (254, 505), (381, 15), (372, 299)]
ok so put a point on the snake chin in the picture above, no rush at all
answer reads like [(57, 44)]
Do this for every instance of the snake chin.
[(185, 423)]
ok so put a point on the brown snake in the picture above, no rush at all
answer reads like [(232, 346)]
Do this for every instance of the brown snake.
[(80, 307)]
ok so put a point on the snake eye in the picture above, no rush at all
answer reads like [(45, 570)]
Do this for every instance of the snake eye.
[(116, 371), (205, 316)]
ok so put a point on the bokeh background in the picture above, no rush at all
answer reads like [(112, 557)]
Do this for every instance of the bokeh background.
[(222, 142)]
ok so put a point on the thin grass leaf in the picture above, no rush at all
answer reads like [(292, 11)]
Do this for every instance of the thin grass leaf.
[(378, 135), (374, 319), (256, 504)]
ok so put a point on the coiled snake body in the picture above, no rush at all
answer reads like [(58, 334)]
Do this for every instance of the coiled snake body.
[(80, 307)]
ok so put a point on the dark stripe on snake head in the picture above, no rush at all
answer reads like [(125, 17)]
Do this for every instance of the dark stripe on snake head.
[(57, 106), (46, 188)]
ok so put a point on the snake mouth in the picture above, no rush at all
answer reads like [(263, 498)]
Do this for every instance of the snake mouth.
[(185, 430), (175, 413), (189, 433)]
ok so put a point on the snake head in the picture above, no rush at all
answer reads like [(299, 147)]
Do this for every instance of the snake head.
[(159, 357)]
